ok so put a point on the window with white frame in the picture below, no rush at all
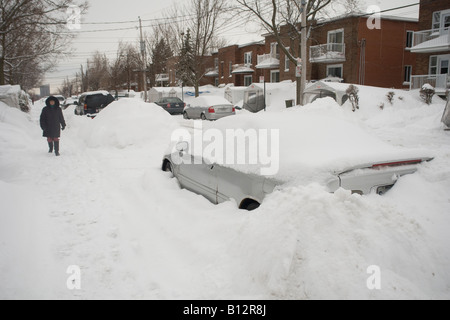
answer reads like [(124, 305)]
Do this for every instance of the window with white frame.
[(407, 74), (439, 64), (287, 62), (216, 63), (335, 70), (230, 69), (248, 58), (336, 40), (441, 20), (275, 76), (248, 80), (409, 39)]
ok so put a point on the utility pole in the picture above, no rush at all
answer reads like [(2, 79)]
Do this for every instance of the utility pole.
[(144, 59), (304, 51)]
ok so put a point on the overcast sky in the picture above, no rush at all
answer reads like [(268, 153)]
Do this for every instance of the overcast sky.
[(128, 10)]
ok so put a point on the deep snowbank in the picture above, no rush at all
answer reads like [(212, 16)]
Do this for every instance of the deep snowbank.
[(105, 206)]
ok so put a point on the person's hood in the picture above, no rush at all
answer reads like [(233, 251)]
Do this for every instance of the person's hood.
[(47, 102)]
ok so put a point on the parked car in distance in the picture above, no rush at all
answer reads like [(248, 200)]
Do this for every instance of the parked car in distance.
[(69, 101), (91, 103), (172, 105), (209, 108)]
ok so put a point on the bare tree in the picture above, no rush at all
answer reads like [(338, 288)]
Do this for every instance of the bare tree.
[(280, 17), (31, 36), (207, 20)]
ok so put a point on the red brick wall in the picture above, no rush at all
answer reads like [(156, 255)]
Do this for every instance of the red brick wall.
[(386, 56), (427, 7)]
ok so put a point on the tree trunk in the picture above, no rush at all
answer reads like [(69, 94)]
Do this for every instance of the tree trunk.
[(2, 71)]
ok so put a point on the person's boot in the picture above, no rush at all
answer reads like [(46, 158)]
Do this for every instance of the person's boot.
[(57, 148), (50, 147)]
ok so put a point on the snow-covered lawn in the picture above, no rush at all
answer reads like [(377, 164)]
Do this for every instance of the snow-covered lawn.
[(106, 206)]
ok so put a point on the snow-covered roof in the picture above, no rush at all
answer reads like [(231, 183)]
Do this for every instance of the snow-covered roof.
[(103, 92), (212, 73), (210, 101), (9, 89)]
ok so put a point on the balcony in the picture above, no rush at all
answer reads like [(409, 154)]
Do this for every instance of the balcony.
[(431, 41), (242, 69), (268, 61), (441, 82), (327, 53)]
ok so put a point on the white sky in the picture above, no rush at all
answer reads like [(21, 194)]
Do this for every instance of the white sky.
[(129, 10)]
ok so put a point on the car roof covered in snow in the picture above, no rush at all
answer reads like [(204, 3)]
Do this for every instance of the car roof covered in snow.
[(210, 101)]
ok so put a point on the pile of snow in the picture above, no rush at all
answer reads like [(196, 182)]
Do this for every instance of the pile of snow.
[(128, 122), (316, 140), (106, 206)]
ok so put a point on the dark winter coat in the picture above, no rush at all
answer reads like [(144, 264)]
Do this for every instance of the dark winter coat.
[(52, 119)]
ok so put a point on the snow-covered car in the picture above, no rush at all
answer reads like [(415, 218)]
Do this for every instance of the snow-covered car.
[(209, 108), (91, 103), (172, 105), (316, 144), (69, 101)]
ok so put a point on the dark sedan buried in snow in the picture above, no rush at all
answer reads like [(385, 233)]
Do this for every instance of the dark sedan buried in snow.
[(172, 105)]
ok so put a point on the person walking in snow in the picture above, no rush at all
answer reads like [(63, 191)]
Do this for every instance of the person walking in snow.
[(52, 121)]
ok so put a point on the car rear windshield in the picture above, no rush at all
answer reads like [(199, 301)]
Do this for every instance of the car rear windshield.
[(173, 100), (95, 100)]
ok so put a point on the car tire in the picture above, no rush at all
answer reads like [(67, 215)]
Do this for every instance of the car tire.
[(203, 116), (253, 206), (185, 116)]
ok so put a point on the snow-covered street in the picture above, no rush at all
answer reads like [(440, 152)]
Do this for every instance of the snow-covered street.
[(106, 206)]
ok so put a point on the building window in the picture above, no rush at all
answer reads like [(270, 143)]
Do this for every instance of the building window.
[(336, 70), (248, 80), (230, 69), (222, 69), (433, 65), (216, 63), (409, 39), (407, 75), (216, 82), (248, 58), (336, 40), (441, 20), (275, 76), (286, 62)]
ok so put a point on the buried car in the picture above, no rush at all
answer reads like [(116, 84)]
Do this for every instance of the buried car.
[(305, 147), (446, 116), (209, 108)]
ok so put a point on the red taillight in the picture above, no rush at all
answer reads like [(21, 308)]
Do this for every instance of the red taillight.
[(234, 109), (168, 105), (211, 110), (396, 164), (85, 107), (185, 105)]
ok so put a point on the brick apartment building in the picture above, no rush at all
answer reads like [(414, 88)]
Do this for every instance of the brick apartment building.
[(347, 48), (236, 64), (432, 45)]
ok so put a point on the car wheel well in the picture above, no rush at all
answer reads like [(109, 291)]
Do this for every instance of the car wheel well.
[(249, 204), (165, 164)]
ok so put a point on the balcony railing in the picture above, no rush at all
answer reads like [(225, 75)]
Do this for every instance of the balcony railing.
[(431, 40), (440, 82), (268, 61), (330, 52)]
